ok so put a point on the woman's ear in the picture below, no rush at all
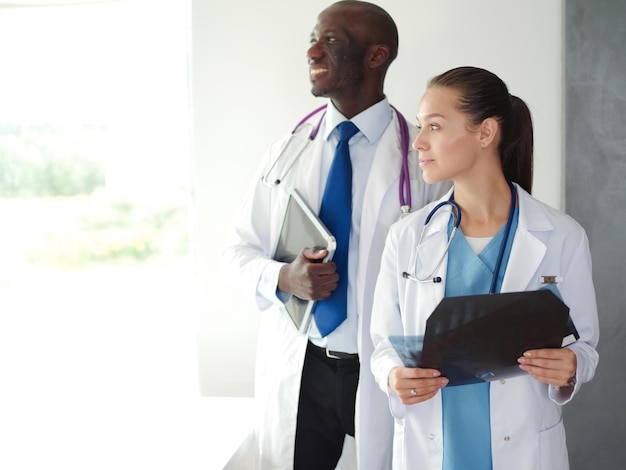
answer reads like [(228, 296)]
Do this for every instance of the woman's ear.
[(488, 131)]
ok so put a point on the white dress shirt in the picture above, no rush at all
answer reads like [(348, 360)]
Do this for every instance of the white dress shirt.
[(371, 123)]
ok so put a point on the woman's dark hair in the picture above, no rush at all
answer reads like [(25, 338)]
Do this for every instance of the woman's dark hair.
[(484, 95)]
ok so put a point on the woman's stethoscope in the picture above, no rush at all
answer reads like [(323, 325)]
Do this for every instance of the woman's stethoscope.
[(456, 214), (405, 177)]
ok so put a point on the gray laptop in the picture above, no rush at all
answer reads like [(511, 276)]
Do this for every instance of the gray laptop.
[(301, 228)]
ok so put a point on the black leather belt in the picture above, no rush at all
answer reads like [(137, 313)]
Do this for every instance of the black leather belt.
[(338, 355)]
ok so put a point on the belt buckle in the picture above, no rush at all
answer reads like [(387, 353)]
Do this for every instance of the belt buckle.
[(330, 355)]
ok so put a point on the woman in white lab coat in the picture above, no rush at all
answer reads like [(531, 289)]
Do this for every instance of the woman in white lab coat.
[(480, 137)]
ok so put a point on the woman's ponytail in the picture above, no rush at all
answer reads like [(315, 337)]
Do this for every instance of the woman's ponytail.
[(516, 148)]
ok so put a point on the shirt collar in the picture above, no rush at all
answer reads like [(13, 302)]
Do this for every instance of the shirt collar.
[(372, 122)]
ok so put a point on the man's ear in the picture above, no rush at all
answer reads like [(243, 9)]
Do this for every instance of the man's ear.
[(378, 55)]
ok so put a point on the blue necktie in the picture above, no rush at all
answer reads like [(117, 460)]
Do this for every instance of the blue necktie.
[(336, 213)]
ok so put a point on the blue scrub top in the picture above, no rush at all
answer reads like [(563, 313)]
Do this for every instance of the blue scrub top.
[(466, 410)]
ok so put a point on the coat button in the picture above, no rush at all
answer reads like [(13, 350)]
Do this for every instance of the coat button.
[(431, 436), (507, 438), (503, 381)]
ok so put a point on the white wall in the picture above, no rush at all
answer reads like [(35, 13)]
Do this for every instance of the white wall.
[(250, 86)]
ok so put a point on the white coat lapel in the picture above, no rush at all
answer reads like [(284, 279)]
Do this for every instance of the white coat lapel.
[(527, 251), (384, 173), (526, 255), (377, 214)]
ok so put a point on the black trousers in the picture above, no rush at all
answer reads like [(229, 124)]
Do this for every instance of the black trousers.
[(326, 409)]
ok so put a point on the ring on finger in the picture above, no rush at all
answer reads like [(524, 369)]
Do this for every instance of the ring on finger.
[(413, 392)]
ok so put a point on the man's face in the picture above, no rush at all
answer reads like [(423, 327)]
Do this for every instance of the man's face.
[(337, 52)]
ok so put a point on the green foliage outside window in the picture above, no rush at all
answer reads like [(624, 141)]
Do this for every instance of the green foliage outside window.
[(45, 160), (102, 231), (49, 178)]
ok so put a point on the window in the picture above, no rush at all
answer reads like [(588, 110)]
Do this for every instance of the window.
[(95, 280)]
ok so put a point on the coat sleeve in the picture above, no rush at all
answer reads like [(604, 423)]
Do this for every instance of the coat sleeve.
[(578, 293), (247, 254), (387, 321)]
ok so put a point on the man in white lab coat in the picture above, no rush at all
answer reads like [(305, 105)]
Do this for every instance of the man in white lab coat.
[(306, 385)]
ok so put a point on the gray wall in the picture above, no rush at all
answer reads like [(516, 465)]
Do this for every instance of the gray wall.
[(595, 195)]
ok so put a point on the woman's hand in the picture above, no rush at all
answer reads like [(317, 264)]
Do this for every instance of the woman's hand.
[(550, 366), (415, 385)]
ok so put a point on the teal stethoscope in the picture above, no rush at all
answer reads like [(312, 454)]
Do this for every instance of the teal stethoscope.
[(273, 177), (456, 214)]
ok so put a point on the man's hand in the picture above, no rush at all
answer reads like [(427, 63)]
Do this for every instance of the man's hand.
[(307, 277)]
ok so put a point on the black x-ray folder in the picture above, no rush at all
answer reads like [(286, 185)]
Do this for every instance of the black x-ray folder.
[(478, 338), (301, 228)]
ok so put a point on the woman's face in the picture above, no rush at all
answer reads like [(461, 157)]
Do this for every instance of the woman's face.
[(448, 146)]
